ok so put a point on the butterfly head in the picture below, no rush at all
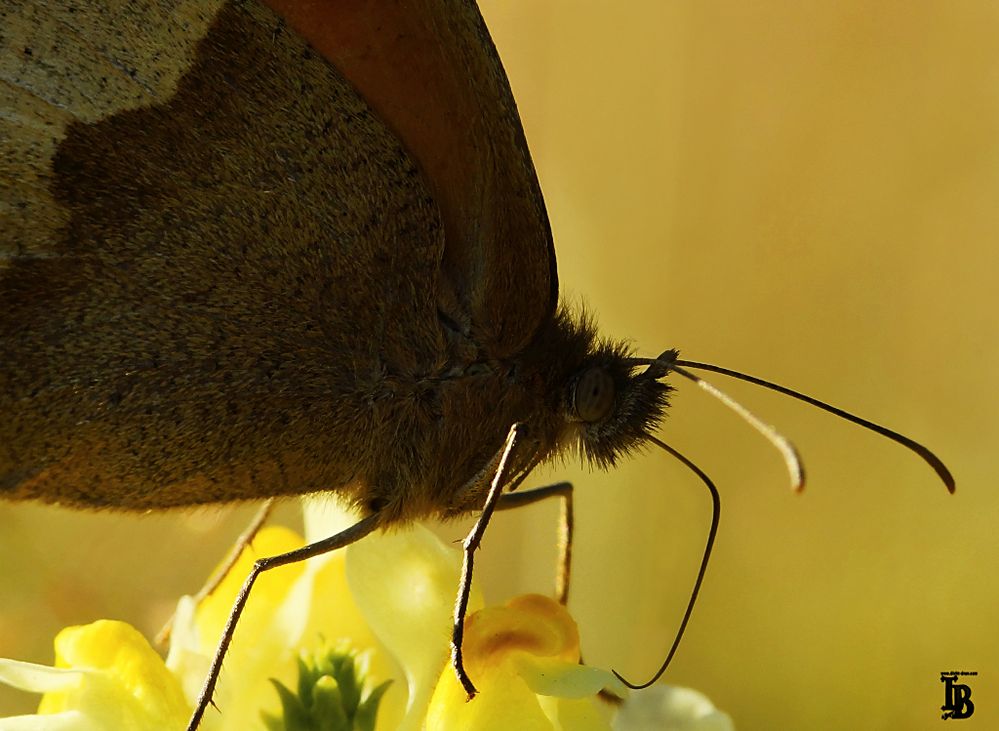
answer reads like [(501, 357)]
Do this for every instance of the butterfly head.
[(612, 402)]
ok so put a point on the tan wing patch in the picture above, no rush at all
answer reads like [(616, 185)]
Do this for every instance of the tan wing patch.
[(61, 61)]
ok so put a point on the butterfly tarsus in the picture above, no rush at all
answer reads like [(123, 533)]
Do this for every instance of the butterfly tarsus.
[(469, 546)]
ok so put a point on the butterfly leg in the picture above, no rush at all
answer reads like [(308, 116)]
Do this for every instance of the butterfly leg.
[(469, 546), (563, 490), (341, 539), (245, 539)]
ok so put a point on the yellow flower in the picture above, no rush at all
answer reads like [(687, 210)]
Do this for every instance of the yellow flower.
[(524, 660), (390, 597), (106, 676), (290, 611), (397, 586)]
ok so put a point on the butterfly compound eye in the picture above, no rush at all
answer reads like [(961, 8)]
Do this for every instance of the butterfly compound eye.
[(593, 396)]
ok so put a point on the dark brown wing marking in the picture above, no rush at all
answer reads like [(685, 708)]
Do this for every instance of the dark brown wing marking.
[(126, 349)]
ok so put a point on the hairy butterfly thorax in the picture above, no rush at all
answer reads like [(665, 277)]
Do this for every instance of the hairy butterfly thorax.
[(574, 393)]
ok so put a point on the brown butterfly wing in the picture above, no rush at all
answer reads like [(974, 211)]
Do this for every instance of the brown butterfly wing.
[(212, 249), (222, 276)]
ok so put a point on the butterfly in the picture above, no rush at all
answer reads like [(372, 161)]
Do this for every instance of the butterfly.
[(261, 249)]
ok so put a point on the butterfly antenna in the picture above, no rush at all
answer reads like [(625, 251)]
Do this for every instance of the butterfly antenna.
[(668, 361), (792, 460), (715, 517), (671, 362)]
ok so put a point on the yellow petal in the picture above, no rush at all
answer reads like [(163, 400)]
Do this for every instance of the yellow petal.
[(124, 683), (558, 678), (405, 582), (505, 703), (521, 657), (37, 678), (532, 624), (578, 715), (268, 591), (291, 608)]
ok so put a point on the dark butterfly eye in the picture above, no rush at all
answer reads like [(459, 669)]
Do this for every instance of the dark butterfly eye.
[(593, 396)]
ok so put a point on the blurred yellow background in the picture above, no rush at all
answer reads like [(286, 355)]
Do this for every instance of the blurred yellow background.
[(804, 191)]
